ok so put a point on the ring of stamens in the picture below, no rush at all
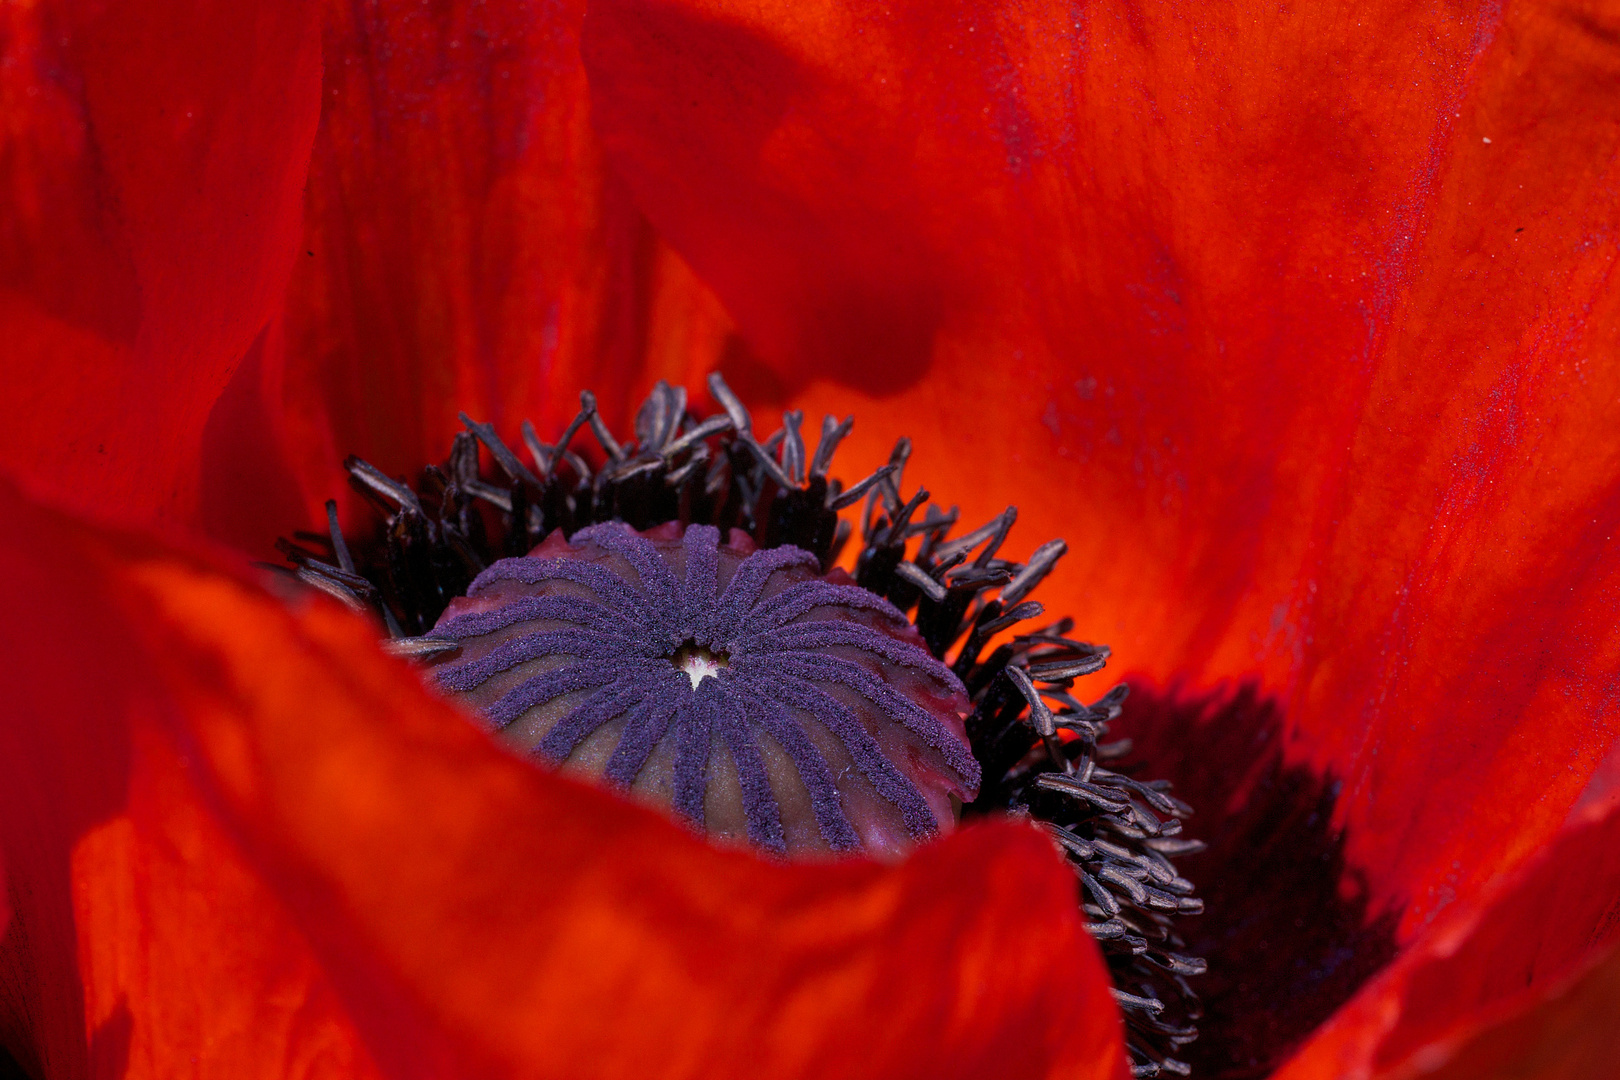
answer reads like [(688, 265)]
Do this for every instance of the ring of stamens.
[(1042, 749)]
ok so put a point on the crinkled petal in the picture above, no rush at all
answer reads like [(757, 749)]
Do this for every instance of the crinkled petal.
[(152, 161), (236, 831)]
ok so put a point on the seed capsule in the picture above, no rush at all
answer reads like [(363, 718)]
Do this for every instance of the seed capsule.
[(755, 696)]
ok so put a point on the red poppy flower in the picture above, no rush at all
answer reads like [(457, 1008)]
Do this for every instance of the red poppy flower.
[(1299, 326)]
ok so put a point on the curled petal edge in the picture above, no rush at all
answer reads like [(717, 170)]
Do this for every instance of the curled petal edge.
[(466, 908)]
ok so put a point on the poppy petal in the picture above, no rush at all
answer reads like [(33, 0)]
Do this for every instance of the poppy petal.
[(218, 761), (1235, 302), (1570, 1036), (1489, 425), (1496, 975), (142, 939), (152, 162), (465, 247)]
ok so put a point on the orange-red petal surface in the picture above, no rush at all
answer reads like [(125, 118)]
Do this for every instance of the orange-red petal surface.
[(1297, 323), (152, 158), (235, 831), (465, 248), (143, 944), (1298, 340)]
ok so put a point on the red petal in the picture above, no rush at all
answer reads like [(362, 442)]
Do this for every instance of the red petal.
[(465, 248), (1290, 320), (1234, 301), (142, 936), (151, 167), (248, 494), (1490, 984), (1568, 1037), (241, 833)]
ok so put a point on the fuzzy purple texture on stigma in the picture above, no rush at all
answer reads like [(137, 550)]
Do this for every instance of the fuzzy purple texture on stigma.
[(754, 695)]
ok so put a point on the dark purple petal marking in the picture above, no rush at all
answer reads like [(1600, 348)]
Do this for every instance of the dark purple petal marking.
[(778, 653)]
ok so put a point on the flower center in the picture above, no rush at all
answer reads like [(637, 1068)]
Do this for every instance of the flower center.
[(669, 619), (698, 662)]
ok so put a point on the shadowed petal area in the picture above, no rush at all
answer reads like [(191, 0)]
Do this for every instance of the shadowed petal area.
[(1306, 975), (1511, 972), (1287, 926), (467, 912), (1300, 344), (151, 166), (465, 247)]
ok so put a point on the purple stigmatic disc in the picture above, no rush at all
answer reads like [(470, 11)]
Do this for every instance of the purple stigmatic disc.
[(754, 696)]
